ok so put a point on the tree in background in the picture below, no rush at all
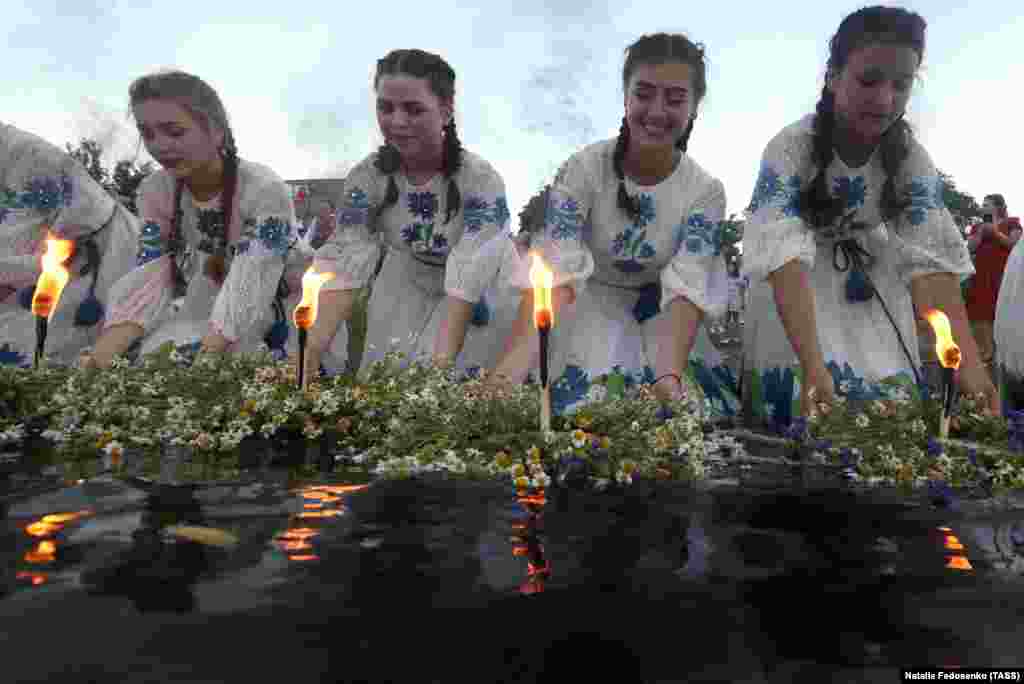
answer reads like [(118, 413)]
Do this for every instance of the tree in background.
[(123, 183), (126, 180), (961, 205), (90, 154), (732, 239)]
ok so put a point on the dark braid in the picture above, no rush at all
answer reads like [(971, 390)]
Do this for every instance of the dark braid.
[(685, 140), (452, 162), (626, 202), (388, 161), (868, 26), (176, 244), (440, 78), (817, 205), (658, 48), (216, 265), (895, 150)]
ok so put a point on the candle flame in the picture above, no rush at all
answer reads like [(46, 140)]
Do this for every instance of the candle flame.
[(305, 313), (945, 348), (542, 279), (53, 278)]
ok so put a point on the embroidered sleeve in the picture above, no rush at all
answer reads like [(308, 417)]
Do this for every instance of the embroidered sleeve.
[(775, 233), (142, 295), (562, 244), (697, 270), (246, 297), (351, 252), (475, 260), (925, 234)]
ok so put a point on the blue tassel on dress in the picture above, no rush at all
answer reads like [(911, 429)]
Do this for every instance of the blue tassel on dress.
[(481, 313), (277, 337), (89, 312), (649, 303), (25, 295), (858, 289)]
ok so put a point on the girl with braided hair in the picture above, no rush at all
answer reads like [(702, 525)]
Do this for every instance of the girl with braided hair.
[(848, 236), (217, 231), (632, 233), (43, 190), (442, 214)]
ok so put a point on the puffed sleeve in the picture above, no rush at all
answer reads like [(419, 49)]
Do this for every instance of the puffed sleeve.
[(469, 268), (352, 250), (697, 270), (775, 234), (268, 233), (561, 244), (925, 235), (143, 295)]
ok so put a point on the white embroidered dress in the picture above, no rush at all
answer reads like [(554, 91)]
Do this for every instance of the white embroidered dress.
[(259, 247), (1008, 327), (625, 274), (859, 343), (42, 188), (426, 259)]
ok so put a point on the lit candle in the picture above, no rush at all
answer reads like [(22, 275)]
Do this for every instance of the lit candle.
[(305, 313), (949, 358), (49, 287), (542, 280)]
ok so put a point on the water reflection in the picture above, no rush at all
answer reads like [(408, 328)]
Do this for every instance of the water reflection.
[(527, 542), (957, 559), (320, 503), (166, 558), (45, 534)]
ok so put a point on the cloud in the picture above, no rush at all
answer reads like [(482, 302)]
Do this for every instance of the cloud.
[(113, 129)]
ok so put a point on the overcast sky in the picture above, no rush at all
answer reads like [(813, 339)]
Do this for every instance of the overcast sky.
[(533, 83)]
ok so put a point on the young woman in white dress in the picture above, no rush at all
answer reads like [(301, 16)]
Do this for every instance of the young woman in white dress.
[(43, 190), (442, 213), (849, 235), (216, 239), (1009, 333), (633, 235)]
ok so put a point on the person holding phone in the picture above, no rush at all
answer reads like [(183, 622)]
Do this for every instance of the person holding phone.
[(990, 242)]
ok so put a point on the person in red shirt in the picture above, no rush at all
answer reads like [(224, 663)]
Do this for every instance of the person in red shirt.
[(990, 243)]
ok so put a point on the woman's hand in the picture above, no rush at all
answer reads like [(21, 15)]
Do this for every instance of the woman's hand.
[(669, 388), (817, 388), (214, 343)]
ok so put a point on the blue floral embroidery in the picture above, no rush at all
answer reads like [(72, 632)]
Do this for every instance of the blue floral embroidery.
[(632, 245), (569, 389), (274, 234), (210, 225), (700, 236), (501, 213), (356, 211), (476, 211), (150, 245), (563, 217), (46, 193), (11, 357), (924, 193), (423, 204), (718, 385), (779, 389), (645, 207), (771, 188), (854, 189), (423, 240)]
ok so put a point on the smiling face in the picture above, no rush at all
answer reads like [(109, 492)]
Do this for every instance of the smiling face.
[(411, 117), (872, 89), (659, 102), (175, 138)]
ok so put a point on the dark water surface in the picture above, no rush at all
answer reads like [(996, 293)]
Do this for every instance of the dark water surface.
[(763, 576)]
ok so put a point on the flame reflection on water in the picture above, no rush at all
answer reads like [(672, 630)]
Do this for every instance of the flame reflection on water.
[(319, 503)]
